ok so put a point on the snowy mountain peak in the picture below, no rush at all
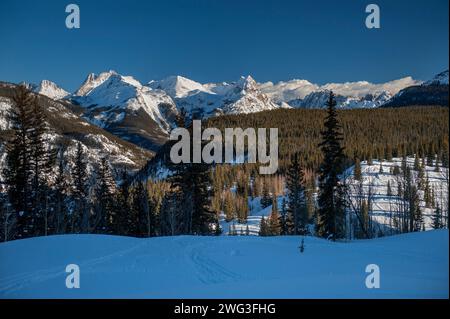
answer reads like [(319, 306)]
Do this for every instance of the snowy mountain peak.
[(247, 83), (177, 86), (51, 90), (93, 80), (439, 79)]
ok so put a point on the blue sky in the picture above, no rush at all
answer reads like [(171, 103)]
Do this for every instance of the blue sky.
[(217, 40)]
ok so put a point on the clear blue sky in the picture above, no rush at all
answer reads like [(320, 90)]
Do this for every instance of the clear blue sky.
[(219, 40)]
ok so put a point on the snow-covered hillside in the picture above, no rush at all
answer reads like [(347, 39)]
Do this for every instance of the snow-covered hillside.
[(439, 79), (119, 95), (411, 266), (374, 182), (66, 129), (384, 207)]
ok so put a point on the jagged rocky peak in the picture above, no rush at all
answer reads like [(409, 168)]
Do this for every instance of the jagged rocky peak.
[(247, 83), (93, 80), (51, 90)]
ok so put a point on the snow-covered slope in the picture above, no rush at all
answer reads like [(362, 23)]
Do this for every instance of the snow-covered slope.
[(360, 94), (243, 96), (432, 92), (126, 108), (439, 79), (67, 128), (51, 90), (385, 207), (178, 86), (114, 92), (413, 265), (318, 99)]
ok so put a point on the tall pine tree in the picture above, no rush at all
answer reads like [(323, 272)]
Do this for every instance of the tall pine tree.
[(331, 203)]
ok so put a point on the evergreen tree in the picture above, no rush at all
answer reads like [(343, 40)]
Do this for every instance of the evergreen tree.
[(127, 218), (79, 220), (192, 181), (217, 228), (106, 216), (141, 209), (264, 227), (42, 160), (331, 210), (61, 190), (295, 181), (437, 218), (17, 171)]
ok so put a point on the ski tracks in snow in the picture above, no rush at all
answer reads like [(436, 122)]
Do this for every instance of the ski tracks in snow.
[(16, 282), (207, 270)]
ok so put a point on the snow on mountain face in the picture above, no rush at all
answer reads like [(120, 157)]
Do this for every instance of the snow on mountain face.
[(439, 79), (51, 90), (432, 92), (66, 129), (296, 90), (177, 86), (117, 95), (247, 98), (243, 96), (318, 100), (288, 91)]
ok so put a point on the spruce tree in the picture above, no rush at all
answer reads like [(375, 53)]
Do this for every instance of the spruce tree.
[(106, 216), (141, 209), (79, 220), (331, 210), (263, 227), (127, 218), (17, 171), (61, 191), (42, 160), (295, 181), (193, 181)]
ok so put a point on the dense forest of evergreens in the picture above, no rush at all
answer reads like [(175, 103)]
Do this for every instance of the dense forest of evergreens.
[(44, 193), (367, 133)]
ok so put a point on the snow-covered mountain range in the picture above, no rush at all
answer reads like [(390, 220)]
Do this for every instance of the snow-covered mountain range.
[(432, 92), (67, 128), (144, 114), (109, 98)]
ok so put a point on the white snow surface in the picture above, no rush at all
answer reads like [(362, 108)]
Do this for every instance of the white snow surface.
[(413, 265)]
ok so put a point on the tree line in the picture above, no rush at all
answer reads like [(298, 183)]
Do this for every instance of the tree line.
[(48, 190)]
